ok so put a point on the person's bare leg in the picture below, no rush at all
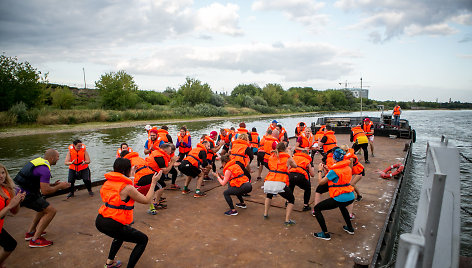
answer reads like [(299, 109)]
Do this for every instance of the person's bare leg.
[(4, 256), (317, 199), (199, 180), (371, 147), (49, 214), (260, 170), (158, 195), (288, 211), (350, 208), (187, 181), (266, 206), (37, 217)]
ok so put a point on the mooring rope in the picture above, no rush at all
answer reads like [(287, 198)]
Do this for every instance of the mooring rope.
[(466, 211), (466, 158)]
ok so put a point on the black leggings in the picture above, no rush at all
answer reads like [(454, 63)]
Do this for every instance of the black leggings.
[(287, 194), (80, 175), (329, 204), (356, 148), (173, 172), (120, 232), (238, 192), (182, 156), (298, 179), (7, 242)]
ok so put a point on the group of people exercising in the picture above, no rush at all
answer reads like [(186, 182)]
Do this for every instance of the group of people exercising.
[(142, 180)]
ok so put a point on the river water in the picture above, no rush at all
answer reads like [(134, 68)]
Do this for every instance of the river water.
[(102, 146)]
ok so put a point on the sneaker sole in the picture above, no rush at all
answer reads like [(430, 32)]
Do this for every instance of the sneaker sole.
[(241, 206), (231, 214), (349, 232), (39, 246)]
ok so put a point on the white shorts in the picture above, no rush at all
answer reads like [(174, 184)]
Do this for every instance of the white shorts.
[(371, 138)]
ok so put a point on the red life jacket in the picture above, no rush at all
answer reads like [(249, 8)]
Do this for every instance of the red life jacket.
[(282, 134), (266, 145), (153, 145), (320, 133), (278, 170), (238, 151), (210, 152), (237, 174), (114, 207), (396, 110), (254, 143), (300, 129), (303, 161), (3, 203), (226, 137), (368, 128), (182, 148), (307, 142), (357, 167), (135, 159), (78, 156), (343, 184)]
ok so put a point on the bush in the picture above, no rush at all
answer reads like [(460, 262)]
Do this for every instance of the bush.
[(217, 100), (264, 109), (62, 98), (209, 110), (117, 90), (153, 97), (20, 111), (258, 100), (7, 119)]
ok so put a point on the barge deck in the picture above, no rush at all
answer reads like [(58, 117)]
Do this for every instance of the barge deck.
[(195, 233)]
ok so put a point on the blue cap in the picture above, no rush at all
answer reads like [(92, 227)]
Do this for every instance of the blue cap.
[(275, 121), (338, 155)]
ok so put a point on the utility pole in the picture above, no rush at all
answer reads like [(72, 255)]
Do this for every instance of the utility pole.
[(360, 94), (83, 69)]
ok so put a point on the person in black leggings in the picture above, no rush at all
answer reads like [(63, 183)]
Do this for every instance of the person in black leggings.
[(116, 225), (237, 177)]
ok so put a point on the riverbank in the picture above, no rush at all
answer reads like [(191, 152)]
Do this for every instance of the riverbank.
[(92, 126)]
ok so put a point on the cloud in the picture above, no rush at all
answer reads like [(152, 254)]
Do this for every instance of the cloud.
[(306, 12), (290, 61), (66, 23), (466, 38), (420, 17)]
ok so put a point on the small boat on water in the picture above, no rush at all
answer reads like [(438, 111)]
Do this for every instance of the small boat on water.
[(382, 126)]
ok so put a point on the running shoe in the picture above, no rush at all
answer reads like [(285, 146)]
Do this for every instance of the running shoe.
[(241, 205), (367, 162), (39, 243), (70, 195), (313, 213), (322, 235), (29, 236), (199, 194), (162, 199), (246, 194), (359, 198), (91, 193), (306, 208), (160, 205), (289, 223), (352, 216), (186, 191), (207, 179), (231, 213), (266, 217), (152, 211), (174, 187), (347, 230), (114, 264)]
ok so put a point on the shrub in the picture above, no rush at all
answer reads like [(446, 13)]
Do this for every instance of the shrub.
[(209, 110), (20, 111), (264, 109), (258, 100), (7, 119), (62, 98), (217, 100), (153, 97)]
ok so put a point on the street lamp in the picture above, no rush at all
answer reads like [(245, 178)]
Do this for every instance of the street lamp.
[(360, 94)]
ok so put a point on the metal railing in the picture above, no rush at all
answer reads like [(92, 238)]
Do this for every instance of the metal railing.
[(434, 240)]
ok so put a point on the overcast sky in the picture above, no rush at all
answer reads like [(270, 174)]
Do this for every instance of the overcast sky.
[(403, 49)]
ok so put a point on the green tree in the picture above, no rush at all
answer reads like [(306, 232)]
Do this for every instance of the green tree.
[(20, 82), (336, 98), (117, 90), (194, 92), (63, 98), (273, 93), (248, 90)]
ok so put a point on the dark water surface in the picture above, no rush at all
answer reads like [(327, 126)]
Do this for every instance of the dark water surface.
[(102, 146)]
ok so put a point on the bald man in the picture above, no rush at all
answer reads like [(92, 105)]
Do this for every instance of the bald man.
[(34, 179)]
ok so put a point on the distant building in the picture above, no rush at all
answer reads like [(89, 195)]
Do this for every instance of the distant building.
[(357, 92)]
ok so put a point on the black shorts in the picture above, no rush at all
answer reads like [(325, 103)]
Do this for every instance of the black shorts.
[(147, 179), (226, 147), (260, 158), (7, 242), (188, 169), (35, 201), (81, 175), (362, 173), (322, 188)]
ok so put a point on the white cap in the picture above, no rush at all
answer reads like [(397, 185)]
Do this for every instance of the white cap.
[(147, 127)]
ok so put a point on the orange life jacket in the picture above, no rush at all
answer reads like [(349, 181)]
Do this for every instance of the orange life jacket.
[(359, 135), (357, 167), (226, 137), (239, 131), (153, 145), (3, 203), (266, 145), (114, 207), (157, 153), (237, 174), (320, 133), (307, 142), (343, 184), (368, 128), (182, 148), (78, 156), (193, 155), (303, 161), (330, 142), (278, 170), (118, 152), (135, 159), (254, 140), (210, 152), (271, 127), (282, 134), (149, 132), (329, 160), (162, 135), (300, 129), (396, 110), (238, 151)]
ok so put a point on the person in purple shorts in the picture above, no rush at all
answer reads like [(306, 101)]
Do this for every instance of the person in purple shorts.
[(34, 179)]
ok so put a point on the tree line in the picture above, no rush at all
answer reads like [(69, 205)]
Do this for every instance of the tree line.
[(23, 88)]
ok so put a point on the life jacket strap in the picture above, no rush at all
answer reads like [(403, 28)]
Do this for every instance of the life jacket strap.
[(123, 207)]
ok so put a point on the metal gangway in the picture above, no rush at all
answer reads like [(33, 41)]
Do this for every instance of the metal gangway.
[(435, 237)]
